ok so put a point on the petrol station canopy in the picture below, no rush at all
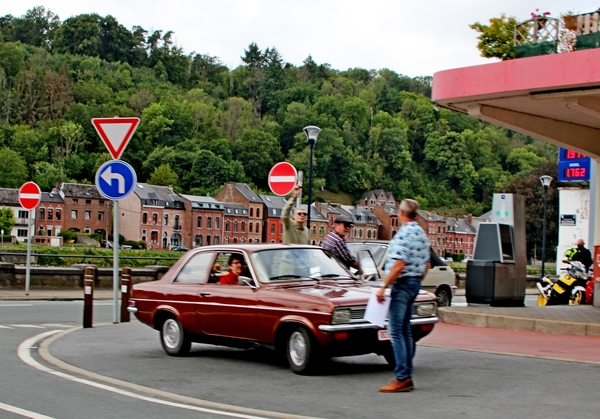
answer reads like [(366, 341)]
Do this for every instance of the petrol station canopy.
[(554, 97)]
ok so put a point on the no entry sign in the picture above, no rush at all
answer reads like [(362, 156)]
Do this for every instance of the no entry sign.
[(30, 195), (282, 178)]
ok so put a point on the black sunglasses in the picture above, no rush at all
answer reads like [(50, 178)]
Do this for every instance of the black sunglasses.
[(301, 213)]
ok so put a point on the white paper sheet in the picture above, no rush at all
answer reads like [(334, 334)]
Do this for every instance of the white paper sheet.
[(376, 312)]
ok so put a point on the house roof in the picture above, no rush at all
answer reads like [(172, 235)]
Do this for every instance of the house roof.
[(79, 190), (274, 204), (315, 215), (164, 196), (233, 209), (52, 197), (204, 202), (9, 196), (247, 192)]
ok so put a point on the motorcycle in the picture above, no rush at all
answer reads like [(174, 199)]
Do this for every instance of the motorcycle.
[(569, 288)]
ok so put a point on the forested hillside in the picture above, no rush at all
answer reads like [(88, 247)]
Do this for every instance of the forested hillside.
[(204, 124)]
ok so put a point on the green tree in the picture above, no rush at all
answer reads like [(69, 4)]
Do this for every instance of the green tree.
[(496, 40), (47, 175), (14, 171), (163, 175), (257, 151), (7, 220)]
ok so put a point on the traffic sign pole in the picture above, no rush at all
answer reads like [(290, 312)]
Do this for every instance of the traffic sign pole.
[(28, 267), (116, 261), (30, 196)]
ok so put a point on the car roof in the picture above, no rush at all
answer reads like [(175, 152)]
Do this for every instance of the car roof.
[(250, 248)]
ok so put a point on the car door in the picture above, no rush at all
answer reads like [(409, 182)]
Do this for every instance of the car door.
[(227, 310), (182, 293)]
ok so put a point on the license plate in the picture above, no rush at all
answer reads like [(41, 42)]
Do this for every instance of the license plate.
[(383, 335)]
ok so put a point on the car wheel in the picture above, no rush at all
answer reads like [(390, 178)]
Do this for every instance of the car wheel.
[(173, 338), (302, 351), (388, 354), (444, 297)]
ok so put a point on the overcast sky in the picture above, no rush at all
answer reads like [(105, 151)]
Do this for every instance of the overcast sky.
[(410, 37)]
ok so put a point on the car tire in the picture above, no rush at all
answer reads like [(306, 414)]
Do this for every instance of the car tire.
[(302, 351), (173, 338), (444, 297), (388, 354)]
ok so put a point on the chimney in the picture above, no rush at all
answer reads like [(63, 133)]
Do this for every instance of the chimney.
[(470, 218)]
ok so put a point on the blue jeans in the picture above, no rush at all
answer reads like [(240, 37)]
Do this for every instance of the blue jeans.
[(404, 293)]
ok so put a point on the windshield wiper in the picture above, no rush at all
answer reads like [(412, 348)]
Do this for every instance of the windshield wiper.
[(336, 276), (286, 276)]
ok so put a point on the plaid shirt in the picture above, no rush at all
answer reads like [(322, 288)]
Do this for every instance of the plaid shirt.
[(336, 245)]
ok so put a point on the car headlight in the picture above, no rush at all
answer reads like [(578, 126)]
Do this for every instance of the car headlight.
[(425, 309), (342, 315)]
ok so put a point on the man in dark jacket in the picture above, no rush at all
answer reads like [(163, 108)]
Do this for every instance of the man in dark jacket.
[(581, 254)]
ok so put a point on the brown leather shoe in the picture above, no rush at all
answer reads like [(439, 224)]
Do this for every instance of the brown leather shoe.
[(397, 386)]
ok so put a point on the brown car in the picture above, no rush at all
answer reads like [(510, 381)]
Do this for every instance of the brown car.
[(295, 299)]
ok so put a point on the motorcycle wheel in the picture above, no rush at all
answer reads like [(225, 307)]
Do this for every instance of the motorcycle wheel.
[(542, 300), (577, 298)]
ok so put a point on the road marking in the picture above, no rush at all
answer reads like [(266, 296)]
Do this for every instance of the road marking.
[(24, 354), (23, 412), (15, 305), (67, 326), (5, 327), (30, 326)]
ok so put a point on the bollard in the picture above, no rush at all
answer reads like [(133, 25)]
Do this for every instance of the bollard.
[(125, 293), (89, 274)]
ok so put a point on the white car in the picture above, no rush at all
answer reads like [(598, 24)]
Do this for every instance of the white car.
[(440, 278)]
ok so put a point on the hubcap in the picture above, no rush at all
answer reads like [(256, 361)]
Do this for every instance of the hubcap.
[(297, 348), (443, 299), (171, 333)]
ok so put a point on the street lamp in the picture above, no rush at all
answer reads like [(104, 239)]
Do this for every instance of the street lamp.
[(545, 183), (312, 133)]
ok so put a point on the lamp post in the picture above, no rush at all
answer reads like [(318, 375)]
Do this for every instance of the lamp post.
[(545, 183), (312, 133)]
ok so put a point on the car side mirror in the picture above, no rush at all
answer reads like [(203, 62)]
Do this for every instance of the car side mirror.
[(368, 268), (244, 280)]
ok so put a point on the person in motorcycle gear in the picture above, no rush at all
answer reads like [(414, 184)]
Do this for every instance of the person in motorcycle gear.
[(580, 254)]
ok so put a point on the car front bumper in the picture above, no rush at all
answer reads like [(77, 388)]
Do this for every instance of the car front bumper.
[(345, 327)]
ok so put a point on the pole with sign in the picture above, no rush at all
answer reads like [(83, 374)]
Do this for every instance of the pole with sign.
[(115, 180), (30, 196)]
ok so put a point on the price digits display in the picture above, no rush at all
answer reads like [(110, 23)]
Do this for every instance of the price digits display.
[(573, 166)]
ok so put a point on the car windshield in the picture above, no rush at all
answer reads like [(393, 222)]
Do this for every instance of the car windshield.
[(378, 251), (296, 264)]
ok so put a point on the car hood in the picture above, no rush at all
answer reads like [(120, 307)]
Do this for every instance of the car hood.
[(340, 293)]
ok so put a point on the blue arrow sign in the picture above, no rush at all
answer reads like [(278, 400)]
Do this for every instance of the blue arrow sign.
[(115, 180)]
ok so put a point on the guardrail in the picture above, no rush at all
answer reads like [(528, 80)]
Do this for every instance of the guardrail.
[(84, 258)]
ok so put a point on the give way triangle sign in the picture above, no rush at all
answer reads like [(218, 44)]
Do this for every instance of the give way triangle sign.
[(116, 133)]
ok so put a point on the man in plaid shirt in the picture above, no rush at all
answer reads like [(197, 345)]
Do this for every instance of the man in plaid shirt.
[(336, 245)]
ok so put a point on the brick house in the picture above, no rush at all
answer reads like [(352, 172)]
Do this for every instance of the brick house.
[(85, 209), (155, 215), (205, 216), (241, 193), (435, 228), (273, 231), (388, 219), (235, 221), (460, 236), (319, 226), (370, 199), (366, 225), (329, 211), (50, 214)]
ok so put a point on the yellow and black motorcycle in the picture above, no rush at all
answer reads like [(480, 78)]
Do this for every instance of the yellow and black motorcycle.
[(569, 288)]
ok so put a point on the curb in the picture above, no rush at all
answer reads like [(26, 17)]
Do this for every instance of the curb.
[(447, 315)]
